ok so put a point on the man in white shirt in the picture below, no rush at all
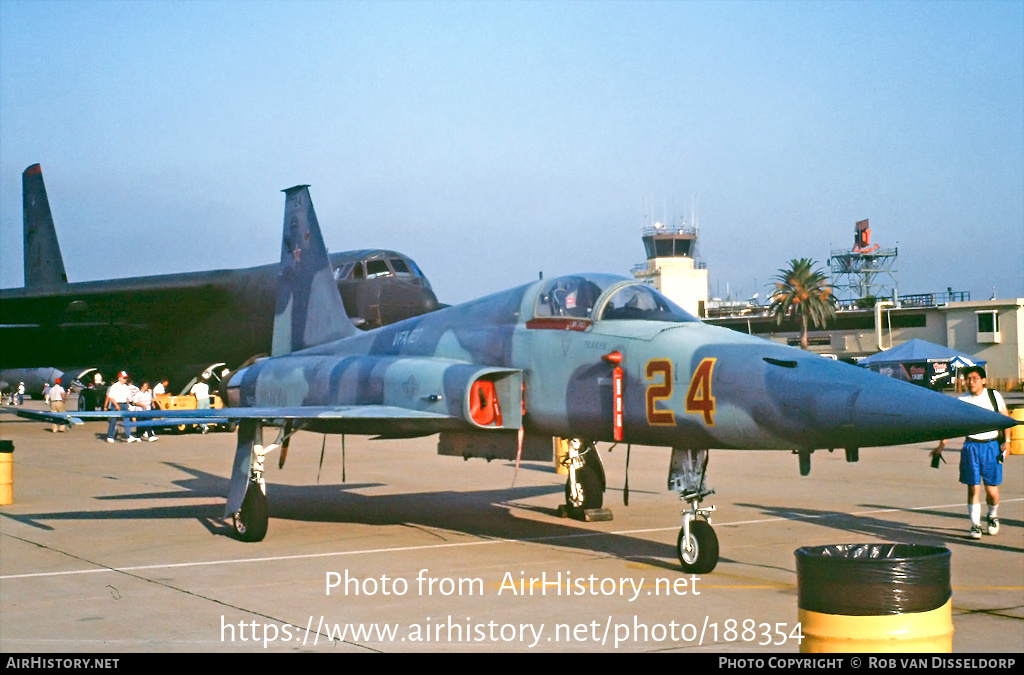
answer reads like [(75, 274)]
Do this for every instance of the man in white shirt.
[(201, 390), (56, 396), (981, 459), (117, 399)]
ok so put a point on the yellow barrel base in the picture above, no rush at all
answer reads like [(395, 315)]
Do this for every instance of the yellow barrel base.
[(6, 478), (1015, 435), (912, 632)]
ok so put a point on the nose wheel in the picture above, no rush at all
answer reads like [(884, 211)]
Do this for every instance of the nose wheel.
[(697, 546)]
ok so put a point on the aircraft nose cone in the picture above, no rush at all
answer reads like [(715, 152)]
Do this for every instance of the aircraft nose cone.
[(819, 404), (891, 412)]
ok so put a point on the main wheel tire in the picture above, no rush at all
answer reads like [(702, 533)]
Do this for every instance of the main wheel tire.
[(252, 519), (592, 490), (703, 554)]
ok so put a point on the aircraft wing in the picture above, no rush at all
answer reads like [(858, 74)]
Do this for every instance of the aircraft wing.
[(350, 418)]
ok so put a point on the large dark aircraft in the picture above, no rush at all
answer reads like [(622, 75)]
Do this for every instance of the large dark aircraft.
[(173, 326), (592, 357)]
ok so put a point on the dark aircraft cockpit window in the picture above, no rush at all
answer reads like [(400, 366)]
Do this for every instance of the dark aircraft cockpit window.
[(376, 268), (416, 270), (343, 272), (638, 301), (399, 266), (569, 297)]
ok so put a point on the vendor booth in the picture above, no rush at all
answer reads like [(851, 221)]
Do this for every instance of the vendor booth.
[(924, 363)]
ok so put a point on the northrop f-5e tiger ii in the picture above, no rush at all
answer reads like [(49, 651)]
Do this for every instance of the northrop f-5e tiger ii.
[(588, 357)]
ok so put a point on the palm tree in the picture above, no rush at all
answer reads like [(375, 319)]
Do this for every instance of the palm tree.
[(802, 291)]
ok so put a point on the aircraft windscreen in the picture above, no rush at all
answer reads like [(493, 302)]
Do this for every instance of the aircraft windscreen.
[(376, 268), (416, 270), (343, 272), (638, 301), (569, 297), (399, 266)]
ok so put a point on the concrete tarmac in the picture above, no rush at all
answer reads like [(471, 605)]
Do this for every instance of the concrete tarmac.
[(121, 548)]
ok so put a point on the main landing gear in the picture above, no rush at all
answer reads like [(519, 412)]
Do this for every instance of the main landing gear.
[(253, 517), (247, 492), (584, 490), (697, 544)]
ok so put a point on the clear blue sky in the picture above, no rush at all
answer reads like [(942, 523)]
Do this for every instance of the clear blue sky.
[(493, 140)]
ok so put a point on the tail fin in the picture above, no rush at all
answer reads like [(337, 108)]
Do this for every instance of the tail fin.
[(43, 262), (309, 308)]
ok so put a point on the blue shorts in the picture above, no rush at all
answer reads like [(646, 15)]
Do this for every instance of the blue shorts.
[(979, 461)]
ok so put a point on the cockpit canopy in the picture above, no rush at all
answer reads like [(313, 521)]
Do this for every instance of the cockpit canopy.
[(378, 264), (605, 297)]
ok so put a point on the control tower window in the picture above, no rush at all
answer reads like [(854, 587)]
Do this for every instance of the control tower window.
[(643, 302)]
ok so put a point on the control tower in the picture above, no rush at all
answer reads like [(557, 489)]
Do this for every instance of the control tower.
[(864, 271), (671, 266)]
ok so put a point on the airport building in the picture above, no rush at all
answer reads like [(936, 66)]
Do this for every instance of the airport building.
[(672, 267), (991, 330)]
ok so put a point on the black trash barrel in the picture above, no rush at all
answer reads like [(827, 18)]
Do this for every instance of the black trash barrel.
[(875, 598)]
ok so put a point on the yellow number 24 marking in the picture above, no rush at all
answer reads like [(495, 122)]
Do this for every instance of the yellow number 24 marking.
[(699, 397)]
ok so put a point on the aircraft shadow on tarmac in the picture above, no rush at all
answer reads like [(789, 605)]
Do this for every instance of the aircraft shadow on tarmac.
[(488, 514), (890, 528)]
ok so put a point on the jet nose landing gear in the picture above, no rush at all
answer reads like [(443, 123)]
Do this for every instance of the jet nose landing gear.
[(697, 544)]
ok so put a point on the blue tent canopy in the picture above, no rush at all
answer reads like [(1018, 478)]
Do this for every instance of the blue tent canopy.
[(920, 362), (920, 350)]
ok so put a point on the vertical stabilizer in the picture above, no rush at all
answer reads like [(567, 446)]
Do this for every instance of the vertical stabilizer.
[(43, 262), (309, 309)]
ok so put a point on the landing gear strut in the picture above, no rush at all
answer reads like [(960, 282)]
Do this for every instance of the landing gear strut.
[(697, 544), (584, 490), (247, 491)]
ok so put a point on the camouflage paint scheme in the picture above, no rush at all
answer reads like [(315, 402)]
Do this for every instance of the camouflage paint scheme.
[(544, 353), (759, 395)]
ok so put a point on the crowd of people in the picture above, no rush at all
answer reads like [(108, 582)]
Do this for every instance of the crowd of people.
[(120, 395)]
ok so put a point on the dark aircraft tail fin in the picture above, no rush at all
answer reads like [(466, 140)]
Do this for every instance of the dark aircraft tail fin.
[(43, 262), (309, 308)]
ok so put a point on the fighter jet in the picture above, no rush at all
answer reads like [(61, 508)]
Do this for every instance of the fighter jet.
[(173, 326), (590, 357)]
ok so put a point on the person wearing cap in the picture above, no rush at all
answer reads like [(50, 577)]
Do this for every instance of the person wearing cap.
[(117, 399), (56, 397), (981, 459)]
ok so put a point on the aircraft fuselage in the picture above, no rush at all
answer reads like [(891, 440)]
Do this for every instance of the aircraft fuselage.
[(685, 384)]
